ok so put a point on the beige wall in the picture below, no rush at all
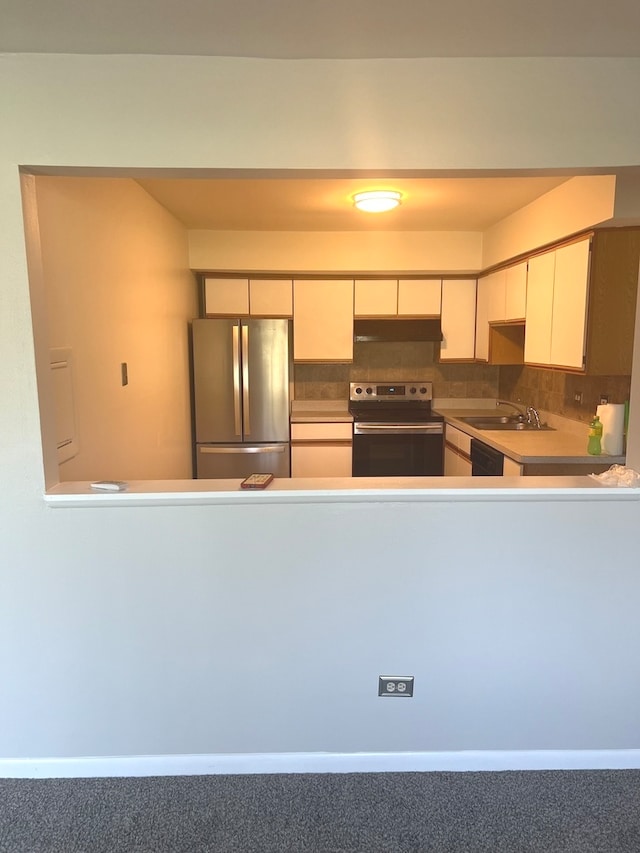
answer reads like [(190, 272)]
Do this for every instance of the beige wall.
[(303, 251), (118, 289), (580, 203)]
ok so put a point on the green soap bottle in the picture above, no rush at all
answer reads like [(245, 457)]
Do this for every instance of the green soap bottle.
[(594, 444)]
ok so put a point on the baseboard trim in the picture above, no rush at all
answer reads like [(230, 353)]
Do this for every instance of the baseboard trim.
[(318, 762)]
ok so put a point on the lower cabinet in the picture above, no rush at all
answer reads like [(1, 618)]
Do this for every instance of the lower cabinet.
[(321, 449), (511, 468), (457, 453)]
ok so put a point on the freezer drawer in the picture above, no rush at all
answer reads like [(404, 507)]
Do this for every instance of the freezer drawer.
[(221, 462)]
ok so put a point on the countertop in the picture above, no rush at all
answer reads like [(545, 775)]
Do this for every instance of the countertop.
[(565, 444), (352, 490), (320, 411)]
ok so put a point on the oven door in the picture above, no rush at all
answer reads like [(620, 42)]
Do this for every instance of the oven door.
[(398, 450)]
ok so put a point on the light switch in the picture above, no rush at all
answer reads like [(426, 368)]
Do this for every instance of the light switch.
[(125, 373)]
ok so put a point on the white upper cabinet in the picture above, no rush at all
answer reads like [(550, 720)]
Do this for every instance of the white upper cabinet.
[(495, 284), (570, 292), (482, 320), (376, 297), (419, 297), (537, 336), (490, 309), (271, 297), (458, 320), (515, 292), (557, 295), (323, 320), (226, 296), (241, 297), (397, 298)]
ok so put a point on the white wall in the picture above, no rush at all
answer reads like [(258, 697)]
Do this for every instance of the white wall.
[(337, 251), (115, 625), (118, 289)]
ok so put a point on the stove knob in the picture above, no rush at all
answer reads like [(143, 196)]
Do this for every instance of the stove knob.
[(423, 390), (358, 390), (412, 390), (369, 390)]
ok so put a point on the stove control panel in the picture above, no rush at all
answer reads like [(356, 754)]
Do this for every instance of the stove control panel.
[(418, 390)]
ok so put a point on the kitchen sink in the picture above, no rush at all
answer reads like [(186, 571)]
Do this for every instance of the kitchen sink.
[(504, 423)]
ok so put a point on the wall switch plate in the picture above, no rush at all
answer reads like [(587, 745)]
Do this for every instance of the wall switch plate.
[(395, 685), (577, 398), (124, 373), (603, 399)]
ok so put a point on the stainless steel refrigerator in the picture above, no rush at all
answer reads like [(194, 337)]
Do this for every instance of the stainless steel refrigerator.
[(242, 373)]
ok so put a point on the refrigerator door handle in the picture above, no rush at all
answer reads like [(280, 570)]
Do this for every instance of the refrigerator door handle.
[(236, 380), (264, 448), (246, 420)]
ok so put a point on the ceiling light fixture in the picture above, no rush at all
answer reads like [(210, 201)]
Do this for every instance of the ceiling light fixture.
[(377, 201)]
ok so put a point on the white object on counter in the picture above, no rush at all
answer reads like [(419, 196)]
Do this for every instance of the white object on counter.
[(612, 418), (618, 475)]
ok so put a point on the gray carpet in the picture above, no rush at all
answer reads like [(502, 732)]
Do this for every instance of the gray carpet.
[(514, 812)]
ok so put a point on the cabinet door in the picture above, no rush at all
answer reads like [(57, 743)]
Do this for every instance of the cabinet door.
[(537, 335), (376, 298), (321, 449), (515, 292), (226, 296), (323, 320), (490, 309), (465, 469), (321, 460), (482, 320), (419, 297), (569, 318), (496, 296), (450, 462), (458, 320), (511, 468), (271, 297)]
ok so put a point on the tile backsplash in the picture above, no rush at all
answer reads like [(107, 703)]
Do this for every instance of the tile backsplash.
[(552, 390), (396, 362), (556, 391)]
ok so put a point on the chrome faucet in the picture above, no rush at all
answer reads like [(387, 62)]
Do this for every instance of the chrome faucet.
[(533, 416), (521, 412)]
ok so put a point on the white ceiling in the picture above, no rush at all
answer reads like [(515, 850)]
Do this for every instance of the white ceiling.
[(293, 29), (442, 204)]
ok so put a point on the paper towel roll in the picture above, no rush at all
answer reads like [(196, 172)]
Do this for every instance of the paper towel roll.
[(612, 417)]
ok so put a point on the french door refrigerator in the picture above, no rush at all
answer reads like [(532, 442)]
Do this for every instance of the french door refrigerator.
[(242, 372)]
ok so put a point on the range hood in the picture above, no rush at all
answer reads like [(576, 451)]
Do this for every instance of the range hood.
[(387, 331)]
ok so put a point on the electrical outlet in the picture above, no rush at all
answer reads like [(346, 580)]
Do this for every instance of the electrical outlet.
[(395, 685), (577, 398)]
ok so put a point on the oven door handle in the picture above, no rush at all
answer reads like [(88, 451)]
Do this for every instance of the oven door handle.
[(381, 429)]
